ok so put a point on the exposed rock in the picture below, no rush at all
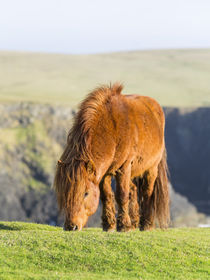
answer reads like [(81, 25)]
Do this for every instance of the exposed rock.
[(188, 148)]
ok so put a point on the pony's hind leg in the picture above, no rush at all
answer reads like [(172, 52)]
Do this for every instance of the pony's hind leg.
[(134, 206), (122, 197), (147, 199), (108, 204)]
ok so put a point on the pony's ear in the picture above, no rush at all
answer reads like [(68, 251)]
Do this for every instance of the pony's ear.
[(90, 167), (60, 162)]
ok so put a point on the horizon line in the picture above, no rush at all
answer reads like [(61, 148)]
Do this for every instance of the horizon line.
[(108, 52)]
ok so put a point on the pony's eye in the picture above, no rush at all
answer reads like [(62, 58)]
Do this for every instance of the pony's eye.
[(86, 194)]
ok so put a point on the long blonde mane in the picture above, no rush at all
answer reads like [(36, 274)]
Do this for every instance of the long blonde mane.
[(71, 172)]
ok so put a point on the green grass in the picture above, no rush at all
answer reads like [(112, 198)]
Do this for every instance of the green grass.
[(31, 251), (173, 77)]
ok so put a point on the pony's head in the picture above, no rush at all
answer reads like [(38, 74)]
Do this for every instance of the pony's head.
[(77, 193)]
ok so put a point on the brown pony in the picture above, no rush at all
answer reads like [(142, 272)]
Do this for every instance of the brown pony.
[(115, 135)]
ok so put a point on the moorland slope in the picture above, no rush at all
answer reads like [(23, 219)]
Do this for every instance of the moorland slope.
[(177, 78)]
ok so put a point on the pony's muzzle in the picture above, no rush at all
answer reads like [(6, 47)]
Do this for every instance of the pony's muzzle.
[(71, 227)]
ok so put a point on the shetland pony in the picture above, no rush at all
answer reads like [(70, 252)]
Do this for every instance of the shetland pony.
[(121, 136)]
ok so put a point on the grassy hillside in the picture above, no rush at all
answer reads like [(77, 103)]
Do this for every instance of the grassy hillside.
[(31, 251), (173, 77)]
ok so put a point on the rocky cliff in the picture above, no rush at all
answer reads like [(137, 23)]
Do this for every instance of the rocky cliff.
[(32, 137), (31, 140), (188, 147)]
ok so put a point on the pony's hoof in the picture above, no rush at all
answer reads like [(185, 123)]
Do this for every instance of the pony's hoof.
[(146, 228), (124, 223), (109, 228), (135, 225), (124, 229)]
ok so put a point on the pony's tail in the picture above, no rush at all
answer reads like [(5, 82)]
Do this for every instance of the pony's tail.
[(161, 199)]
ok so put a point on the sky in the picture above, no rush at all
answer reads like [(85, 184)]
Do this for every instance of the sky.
[(98, 26)]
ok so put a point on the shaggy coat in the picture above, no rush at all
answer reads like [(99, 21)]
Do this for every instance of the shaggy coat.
[(121, 136)]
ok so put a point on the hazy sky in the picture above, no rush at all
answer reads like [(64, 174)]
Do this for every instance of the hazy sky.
[(89, 26)]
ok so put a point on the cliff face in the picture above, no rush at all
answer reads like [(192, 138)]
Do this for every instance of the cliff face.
[(32, 138), (188, 147)]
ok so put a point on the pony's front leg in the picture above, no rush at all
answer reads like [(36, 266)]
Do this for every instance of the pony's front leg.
[(108, 204), (122, 197)]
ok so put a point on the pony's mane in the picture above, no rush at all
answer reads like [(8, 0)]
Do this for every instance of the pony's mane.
[(77, 159), (91, 106)]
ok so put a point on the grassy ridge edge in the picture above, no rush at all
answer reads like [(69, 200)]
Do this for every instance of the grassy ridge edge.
[(34, 251)]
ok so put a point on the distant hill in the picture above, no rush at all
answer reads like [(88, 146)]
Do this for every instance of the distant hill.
[(174, 77)]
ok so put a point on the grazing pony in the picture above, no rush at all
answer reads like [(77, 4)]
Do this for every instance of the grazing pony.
[(115, 135)]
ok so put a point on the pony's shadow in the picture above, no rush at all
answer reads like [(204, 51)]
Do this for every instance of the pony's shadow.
[(4, 227)]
